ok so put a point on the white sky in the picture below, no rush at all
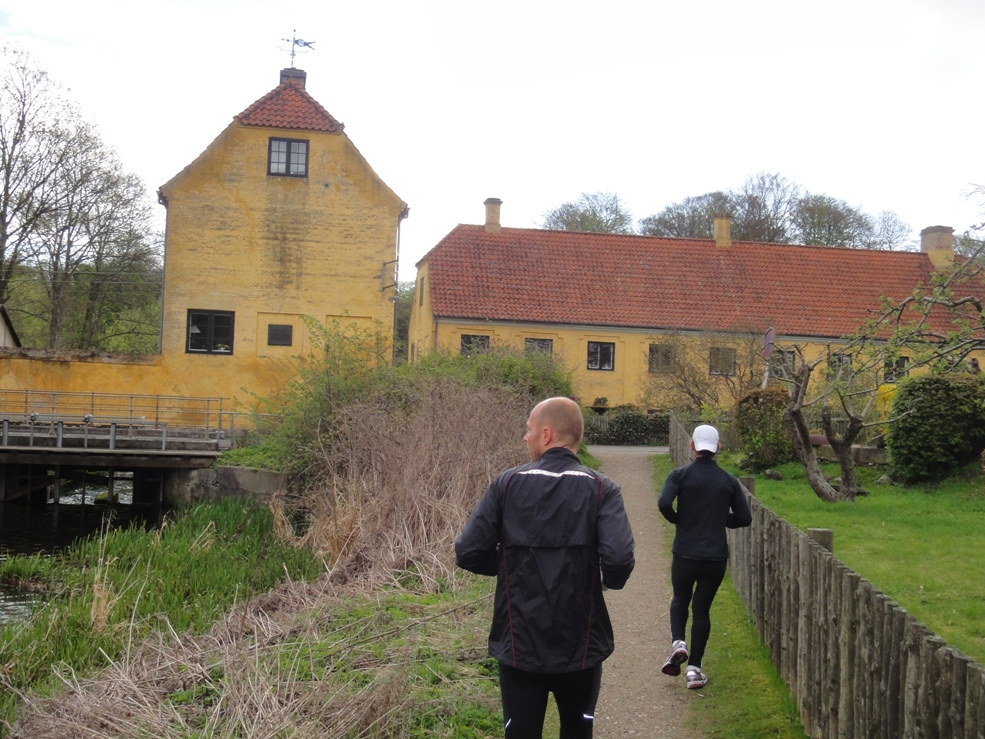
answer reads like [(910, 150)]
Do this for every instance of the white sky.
[(877, 102)]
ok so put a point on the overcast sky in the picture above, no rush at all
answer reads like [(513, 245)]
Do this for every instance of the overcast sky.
[(877, 102)]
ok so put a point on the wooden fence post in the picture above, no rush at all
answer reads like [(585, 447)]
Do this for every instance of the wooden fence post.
[(824, 537), (749, 483)]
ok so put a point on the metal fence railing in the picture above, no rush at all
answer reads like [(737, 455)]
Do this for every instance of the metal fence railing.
[(202, 415)]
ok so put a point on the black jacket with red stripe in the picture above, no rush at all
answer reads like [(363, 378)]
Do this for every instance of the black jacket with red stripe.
[(547, 530)]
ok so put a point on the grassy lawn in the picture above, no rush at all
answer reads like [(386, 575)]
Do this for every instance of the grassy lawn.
[(745, 697), (922, 546)]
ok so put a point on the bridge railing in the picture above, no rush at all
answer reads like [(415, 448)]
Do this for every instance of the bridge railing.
[(201, 417)]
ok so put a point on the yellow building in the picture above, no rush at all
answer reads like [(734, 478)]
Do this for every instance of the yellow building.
[(280, 217), (622, 310)]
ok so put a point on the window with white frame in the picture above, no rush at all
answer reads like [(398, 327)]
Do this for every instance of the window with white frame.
[(896, 370), (661, 358), (288, 158), (474, 344), (601, 355), (721, 361), (210, 332), (542, 346)]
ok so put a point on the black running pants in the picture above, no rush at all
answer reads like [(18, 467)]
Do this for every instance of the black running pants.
[(695, 584), (525, 701)]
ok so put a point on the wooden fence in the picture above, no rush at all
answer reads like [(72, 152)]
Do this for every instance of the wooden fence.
[(855, 662)]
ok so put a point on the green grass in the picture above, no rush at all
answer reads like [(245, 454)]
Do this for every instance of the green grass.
[(744, 696), (922, 546), (104, 592)]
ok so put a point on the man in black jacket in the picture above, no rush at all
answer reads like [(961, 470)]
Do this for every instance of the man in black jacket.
[(709, 500), (553, 532)]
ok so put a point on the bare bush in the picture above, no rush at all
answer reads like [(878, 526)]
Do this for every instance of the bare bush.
[(398, 476)]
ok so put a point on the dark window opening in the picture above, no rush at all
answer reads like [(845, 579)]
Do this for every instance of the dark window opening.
[(601, 355), (474, 344), (280, 334), (288, 158), (543, 346), (210, 332), (783, 362), (721, 361), (896, 371), (661, 358)]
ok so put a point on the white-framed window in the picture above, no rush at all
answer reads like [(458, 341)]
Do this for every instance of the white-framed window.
[(210, 332), (896, 370), (601, 355), (474, 344), (721, 361), (660, 358), (543, 346), (287, 158)]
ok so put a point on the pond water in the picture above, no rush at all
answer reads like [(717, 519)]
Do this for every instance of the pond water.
[(46, 529)]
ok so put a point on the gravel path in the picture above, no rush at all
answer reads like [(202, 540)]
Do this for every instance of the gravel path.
[(637, 700)]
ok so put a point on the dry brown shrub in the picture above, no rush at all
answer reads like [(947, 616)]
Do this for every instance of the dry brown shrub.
[(398, 477)]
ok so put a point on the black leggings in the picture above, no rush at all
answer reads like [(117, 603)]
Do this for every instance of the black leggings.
[(695, 583), (525, 701)]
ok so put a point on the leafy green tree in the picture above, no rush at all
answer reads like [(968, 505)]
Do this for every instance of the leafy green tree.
[(600, 212), (403, 297)]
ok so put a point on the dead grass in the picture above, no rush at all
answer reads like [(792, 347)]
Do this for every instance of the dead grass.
[(390, 642)]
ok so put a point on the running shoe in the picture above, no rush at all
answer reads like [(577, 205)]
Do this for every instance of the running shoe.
[(676, 658), (695, 678)]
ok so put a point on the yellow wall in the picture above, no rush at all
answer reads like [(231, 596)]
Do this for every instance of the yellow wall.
[(270, 249)]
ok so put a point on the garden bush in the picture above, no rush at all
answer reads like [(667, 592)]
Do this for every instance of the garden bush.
[(759, 425), (630, 428), (939, 425)]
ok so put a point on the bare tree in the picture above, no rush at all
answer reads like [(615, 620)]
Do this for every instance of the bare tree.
[(102, 217), (770, 208), (694, 373), (33, 148), (826, 221), (691, 218), (600, 212)]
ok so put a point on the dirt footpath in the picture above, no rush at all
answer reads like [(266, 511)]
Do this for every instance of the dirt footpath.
[(637, 700)]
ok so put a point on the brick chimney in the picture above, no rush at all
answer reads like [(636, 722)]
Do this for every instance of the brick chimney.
[(723, 232), (297, 76), (492, 215), (937, 242)]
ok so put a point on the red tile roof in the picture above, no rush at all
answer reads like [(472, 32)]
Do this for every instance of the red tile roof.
[(562, 277), (289, 106)]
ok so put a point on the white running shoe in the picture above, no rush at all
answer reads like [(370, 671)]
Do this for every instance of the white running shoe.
[(695, 678), (676, 658)]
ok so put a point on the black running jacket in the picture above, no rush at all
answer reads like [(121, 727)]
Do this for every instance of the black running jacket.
[(547, 530)]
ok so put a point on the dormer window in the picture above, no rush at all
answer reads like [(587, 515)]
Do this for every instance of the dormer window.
[(288, 158)]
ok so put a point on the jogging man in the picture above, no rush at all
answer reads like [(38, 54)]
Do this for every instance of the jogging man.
[(709, 500), (553, 532)]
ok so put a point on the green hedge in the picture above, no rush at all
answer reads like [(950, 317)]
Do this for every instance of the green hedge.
[(939, 425), (628, 429)]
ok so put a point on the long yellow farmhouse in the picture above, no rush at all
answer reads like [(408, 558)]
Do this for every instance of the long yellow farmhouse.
[(280, 217), (616, 308)]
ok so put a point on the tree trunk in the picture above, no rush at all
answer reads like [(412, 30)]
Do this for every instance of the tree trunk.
[(843, 451), (800, 435)]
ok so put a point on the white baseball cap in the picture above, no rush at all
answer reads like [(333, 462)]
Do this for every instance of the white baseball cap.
[(705, 439)]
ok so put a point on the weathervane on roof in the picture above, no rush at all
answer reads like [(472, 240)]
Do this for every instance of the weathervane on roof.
[(295, 43)]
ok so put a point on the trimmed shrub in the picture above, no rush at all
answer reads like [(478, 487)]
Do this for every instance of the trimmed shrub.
[(630, 428), (759, 425), (939, 425)]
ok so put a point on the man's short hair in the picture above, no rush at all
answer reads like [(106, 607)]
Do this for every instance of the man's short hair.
[(564, 416)]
